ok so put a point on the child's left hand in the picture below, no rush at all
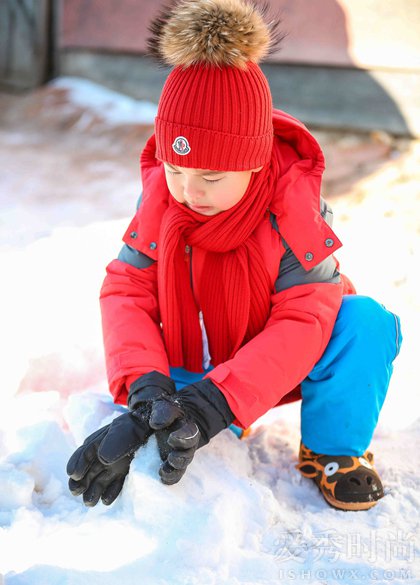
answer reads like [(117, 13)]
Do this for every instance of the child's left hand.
[(186, 421), (177, 437)]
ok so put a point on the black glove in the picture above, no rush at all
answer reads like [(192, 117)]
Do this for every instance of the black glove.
[(98, 468), (131, 430), (191, 417), (149, 387), (90, 477), (146, 389)]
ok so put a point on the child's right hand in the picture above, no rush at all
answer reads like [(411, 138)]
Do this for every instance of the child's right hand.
[(98, 468), (92, 478)]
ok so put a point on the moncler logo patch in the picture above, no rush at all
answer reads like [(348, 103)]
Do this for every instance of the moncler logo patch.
[(181, 146)]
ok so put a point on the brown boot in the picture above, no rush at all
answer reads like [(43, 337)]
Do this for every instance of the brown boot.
[(346, 482)]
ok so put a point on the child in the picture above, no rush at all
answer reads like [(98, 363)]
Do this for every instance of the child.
[(226, 300)]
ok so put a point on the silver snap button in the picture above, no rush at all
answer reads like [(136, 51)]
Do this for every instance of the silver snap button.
[(133, 235), (329, 242), (187, 249), (309, 256), (153, 245)]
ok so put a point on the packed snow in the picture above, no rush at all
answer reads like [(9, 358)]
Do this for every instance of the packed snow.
[(242, 514), (115, 108)]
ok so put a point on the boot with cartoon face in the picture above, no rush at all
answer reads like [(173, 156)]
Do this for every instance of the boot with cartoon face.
[(346, 482)]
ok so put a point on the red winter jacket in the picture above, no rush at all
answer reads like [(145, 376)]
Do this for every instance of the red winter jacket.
[(268, 369)]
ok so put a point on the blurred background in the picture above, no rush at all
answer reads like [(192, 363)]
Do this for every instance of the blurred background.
[(352, 64)]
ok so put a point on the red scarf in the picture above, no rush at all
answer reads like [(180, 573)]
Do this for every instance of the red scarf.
[(235, 288)]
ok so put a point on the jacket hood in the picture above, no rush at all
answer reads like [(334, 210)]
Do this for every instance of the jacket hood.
[(297, 201)]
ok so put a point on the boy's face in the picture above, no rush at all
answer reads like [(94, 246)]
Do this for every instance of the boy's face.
[(207, 192)]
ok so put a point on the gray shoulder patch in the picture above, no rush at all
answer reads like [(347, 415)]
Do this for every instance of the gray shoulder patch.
[(132, 256), (292, 273)]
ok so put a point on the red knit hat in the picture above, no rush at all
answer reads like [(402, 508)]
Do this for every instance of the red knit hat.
[(215, 110)]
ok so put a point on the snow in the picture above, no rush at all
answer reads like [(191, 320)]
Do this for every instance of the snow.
[(114, 107), (242, 514)]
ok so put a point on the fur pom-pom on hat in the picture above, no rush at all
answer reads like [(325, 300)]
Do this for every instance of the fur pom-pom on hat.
[(213, 32), (215, 110)]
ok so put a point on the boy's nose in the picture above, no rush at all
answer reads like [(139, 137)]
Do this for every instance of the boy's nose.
[(191, 190)]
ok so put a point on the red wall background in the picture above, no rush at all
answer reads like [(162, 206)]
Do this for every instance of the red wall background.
[(363, 33)]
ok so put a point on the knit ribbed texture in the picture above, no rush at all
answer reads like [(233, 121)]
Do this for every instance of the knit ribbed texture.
[(235, 289), (225, 115)]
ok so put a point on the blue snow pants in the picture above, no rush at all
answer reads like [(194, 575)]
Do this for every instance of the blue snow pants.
[(343, 394)]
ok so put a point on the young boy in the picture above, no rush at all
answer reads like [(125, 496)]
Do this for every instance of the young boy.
[(226, 300)]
